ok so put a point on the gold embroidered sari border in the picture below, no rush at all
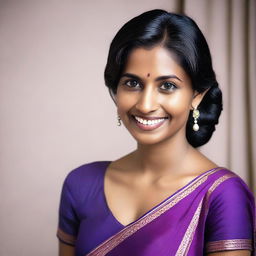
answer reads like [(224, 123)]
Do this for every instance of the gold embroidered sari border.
[(215, 185), (116, 239), (232, 244), (188, 237), (63, 236)]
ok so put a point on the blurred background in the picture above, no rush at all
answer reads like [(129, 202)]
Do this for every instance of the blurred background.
[(56, 113)]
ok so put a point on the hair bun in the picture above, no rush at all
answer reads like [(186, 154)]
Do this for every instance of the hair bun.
[(210, 109)]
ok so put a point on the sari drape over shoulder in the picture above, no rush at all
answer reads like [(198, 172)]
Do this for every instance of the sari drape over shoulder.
[(214, 212)]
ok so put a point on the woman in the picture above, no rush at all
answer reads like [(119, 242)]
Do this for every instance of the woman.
[(164, 198)]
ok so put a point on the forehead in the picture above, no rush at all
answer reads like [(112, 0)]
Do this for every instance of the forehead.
[(155, 61)]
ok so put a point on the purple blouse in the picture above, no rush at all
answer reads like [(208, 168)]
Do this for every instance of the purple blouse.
[(85, 221)]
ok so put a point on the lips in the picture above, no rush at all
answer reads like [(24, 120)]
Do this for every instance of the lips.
[(149, 123)]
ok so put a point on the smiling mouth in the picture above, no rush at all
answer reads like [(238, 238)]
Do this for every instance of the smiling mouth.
[(150, 123)]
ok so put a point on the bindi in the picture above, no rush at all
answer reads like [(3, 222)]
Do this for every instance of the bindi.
[(148, 75)]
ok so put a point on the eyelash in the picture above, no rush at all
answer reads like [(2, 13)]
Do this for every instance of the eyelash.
[(171, 85), (131, 80)]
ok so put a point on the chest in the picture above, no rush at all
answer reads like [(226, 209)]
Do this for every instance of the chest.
[(128, 202)]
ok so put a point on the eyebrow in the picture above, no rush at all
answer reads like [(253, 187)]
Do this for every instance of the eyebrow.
[(157, 79)]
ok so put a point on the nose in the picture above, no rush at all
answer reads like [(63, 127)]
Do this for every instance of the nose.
[(147, 101)]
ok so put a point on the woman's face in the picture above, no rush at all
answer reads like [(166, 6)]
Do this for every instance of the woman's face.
[(154, 96)]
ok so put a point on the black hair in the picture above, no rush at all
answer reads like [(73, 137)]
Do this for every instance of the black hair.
[(181, 36)]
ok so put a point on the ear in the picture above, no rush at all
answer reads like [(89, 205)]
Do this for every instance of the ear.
[(113, 95), (197, 98)]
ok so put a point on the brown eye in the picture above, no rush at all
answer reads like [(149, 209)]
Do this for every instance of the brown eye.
[(168, 86), (132, 83)]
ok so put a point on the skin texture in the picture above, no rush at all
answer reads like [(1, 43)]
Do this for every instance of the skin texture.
[(133, 178), (66, 250), (147, 97), (132, 185)]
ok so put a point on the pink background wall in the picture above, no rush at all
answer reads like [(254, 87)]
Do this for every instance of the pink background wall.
[(56, 113)]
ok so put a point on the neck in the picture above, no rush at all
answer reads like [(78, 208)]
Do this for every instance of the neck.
[(165, 157)]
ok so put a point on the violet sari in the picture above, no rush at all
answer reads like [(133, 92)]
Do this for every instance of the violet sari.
[(214, 212)]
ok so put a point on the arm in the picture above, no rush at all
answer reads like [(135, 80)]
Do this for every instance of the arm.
[(68, 222), (231, 253), (66, 250), (230, 221)]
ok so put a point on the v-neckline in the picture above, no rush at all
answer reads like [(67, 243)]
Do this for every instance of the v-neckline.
[(150, 210)]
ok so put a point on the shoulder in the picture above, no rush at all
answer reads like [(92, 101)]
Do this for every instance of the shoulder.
[(229, 189), (231, 212), (229, 182), (85, 178), (87, 171)]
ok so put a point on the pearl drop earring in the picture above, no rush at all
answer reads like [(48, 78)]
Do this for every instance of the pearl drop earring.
[(196, 115)]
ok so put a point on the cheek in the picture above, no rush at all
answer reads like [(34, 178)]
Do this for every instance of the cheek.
[(178, 105), (124, 101)]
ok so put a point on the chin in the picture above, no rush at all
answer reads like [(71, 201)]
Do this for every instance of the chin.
[(148, 139), (177, 135)]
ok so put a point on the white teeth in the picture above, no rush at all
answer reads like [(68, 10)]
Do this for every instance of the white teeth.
[(148, 122)]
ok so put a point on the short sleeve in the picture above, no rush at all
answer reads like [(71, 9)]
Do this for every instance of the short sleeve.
[(230, 223), (68, 219)]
